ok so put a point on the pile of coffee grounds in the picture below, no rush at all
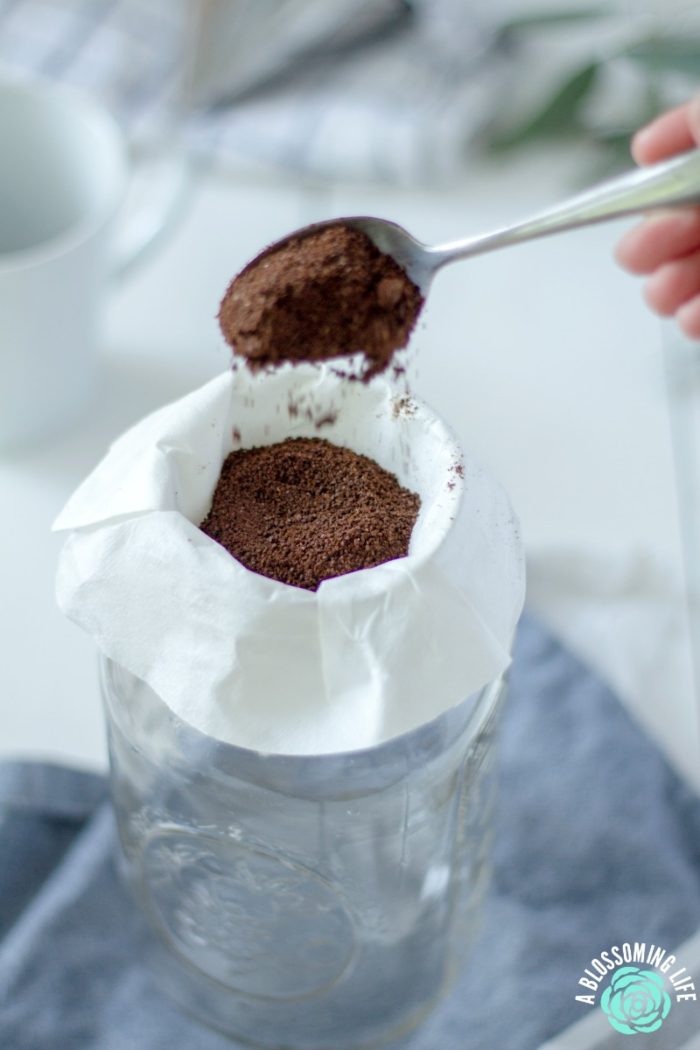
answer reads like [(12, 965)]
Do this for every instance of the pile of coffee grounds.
[(304, 510), (329, 293)]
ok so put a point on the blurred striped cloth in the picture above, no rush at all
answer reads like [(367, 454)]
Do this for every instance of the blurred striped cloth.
[(387, 91)]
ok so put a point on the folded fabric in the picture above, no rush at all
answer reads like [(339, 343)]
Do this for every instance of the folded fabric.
[(597, 843), (394, 92)]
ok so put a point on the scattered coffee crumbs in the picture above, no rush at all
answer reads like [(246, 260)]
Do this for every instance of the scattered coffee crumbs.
[(403, 406), (327, 420), (304, 510), (329, 293)]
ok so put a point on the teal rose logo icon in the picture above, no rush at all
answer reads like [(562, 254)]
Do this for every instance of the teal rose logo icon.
[(635, 1001)]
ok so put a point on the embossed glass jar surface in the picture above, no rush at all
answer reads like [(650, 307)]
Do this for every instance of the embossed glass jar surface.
[(303, 902)]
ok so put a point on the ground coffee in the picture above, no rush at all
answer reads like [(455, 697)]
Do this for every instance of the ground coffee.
[(328, 294), (304, 510)]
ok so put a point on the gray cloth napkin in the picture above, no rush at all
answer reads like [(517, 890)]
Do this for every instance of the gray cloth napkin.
[(597, 842), (400, 106)]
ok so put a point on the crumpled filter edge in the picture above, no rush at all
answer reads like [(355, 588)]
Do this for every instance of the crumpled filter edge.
[(281, 670)]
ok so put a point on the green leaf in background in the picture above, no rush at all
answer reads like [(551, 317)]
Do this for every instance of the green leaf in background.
[(558, 117), (666, 55), (566, 115), (610, 155)]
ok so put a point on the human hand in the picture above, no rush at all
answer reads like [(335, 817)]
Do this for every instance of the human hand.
[(666, 246)]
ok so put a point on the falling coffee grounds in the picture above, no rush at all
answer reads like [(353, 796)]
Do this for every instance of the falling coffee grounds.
[(330, 293), (305, 510)]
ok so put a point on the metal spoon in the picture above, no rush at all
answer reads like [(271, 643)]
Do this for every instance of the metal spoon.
[(672, 182)]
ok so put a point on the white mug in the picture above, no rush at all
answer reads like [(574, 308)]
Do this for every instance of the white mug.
[(64, 172)]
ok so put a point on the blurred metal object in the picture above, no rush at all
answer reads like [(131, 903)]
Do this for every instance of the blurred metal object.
[(242, 46)]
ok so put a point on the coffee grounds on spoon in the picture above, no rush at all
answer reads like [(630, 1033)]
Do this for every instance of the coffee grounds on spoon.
[(304, 510), (330, 293)]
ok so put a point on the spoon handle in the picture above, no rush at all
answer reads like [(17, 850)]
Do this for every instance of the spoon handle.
[(672, 182)]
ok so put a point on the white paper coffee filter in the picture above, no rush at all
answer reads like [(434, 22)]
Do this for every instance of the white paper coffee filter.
[(261, 664)]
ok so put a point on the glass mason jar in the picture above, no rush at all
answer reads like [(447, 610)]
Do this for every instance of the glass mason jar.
[(303, 902)]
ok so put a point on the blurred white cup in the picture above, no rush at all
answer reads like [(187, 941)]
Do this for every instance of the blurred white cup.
[(63, 176)]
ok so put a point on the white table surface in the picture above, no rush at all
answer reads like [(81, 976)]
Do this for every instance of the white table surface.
[(541, 357)]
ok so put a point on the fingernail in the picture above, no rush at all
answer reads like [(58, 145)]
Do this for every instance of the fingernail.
[(686, 309), (688, 318), (638, 141)]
